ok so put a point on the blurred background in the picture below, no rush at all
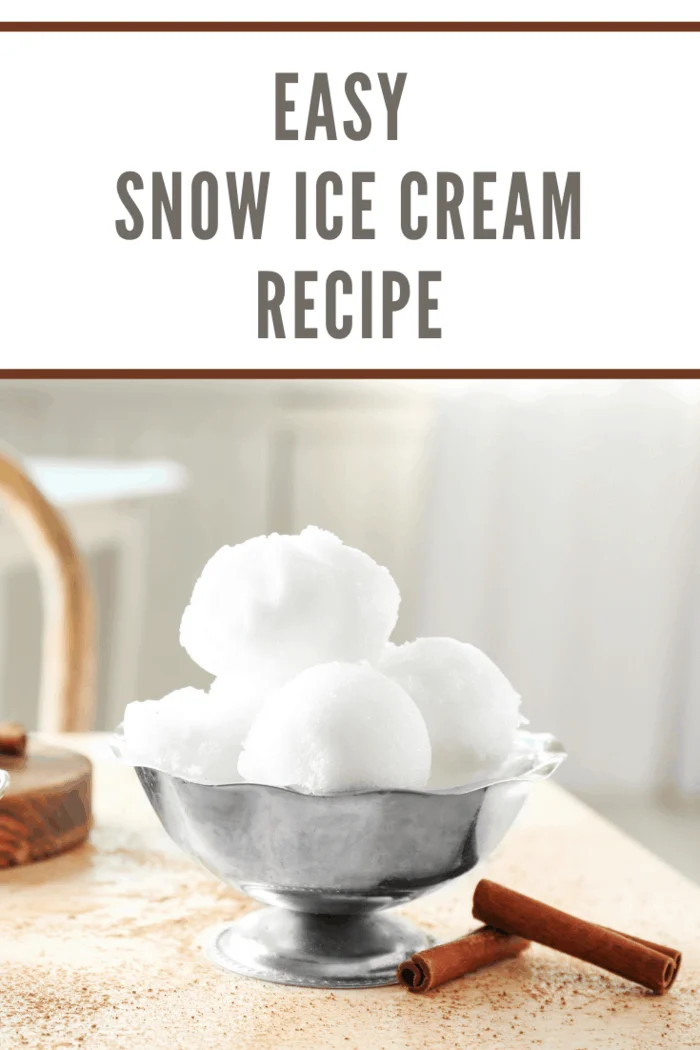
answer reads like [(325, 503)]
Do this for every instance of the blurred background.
[(555, 524)]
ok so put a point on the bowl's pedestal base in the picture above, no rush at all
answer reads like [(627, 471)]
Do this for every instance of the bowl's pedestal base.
[(317, 951)]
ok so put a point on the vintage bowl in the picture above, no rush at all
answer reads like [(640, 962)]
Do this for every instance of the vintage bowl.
[(328, 865)]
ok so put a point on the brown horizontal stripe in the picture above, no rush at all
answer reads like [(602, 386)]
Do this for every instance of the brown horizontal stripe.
[(350, 27), (349, 373)]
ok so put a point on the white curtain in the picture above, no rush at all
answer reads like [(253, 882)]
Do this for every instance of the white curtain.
[(562, 535)]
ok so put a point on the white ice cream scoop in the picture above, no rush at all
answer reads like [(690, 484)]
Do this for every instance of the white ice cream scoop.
[(189, 734), (280, 604), (470, 708), (338, 727)]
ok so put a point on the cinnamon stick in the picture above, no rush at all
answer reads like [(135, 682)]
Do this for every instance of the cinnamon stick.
[(652, 965), (673, 953), (430, 968), (13, 739)]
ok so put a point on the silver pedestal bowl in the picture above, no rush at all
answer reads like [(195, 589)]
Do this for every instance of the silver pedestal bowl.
[(327, 866)]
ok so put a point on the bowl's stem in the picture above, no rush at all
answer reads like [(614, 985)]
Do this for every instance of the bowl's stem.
[(327, 951)]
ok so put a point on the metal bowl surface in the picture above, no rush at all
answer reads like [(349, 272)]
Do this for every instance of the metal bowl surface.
[(326, 864)]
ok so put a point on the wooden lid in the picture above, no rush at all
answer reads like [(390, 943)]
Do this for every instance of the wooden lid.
[(46, 808)]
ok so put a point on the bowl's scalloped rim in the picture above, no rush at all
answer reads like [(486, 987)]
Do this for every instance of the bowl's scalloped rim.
[(546, 752)]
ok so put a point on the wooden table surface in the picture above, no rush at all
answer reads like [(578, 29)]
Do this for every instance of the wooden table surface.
[(101, 948)]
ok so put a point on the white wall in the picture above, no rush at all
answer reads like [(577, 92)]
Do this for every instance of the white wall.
[(563, 538)]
